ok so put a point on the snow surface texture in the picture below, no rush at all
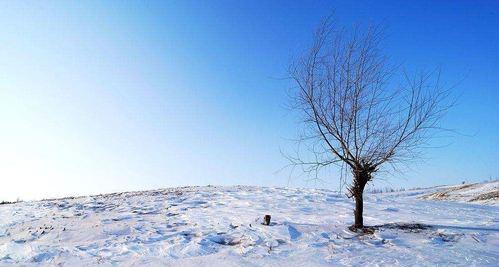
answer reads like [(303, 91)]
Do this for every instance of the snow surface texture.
[(221, 226)]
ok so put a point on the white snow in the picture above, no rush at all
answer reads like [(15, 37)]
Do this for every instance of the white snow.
[(221, 226)]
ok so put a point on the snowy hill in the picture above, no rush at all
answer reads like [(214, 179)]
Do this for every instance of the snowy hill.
[(213, 226), (487, 193)]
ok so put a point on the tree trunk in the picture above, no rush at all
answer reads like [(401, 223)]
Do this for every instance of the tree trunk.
[(361, 177), (359, 210)]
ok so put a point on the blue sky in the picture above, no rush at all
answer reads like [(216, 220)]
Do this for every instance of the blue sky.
[(109, 96)]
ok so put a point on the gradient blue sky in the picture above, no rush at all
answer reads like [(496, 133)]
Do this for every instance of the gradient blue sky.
[(109, 96)]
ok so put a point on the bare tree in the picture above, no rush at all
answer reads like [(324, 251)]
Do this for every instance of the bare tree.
[(357, 111)]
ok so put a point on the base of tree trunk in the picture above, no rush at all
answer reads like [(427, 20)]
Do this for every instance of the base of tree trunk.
[(369, 230)]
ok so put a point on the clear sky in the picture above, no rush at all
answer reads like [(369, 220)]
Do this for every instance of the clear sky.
[(108, 96)]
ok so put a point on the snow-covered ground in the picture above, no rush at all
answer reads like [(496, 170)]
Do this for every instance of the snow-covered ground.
[(221, 226)]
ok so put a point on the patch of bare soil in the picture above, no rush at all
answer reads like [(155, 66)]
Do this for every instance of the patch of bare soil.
[(406, 227)]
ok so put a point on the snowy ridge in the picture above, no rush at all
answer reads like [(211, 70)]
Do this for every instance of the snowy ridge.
[(486, 193), (211, 226)]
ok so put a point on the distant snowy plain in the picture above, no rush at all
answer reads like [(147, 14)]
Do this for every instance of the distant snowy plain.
[(221, 226)]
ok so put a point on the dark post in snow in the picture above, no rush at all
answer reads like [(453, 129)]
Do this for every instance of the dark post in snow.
[(266, 220)]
